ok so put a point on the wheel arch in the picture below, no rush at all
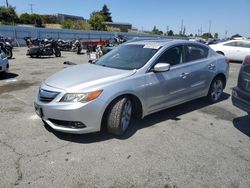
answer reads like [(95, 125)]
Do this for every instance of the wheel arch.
[(223, 77), (137, 105)]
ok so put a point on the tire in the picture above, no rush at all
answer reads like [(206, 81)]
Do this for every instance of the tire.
[(215, 90), (9, 54), (58, 53), (119, 116)]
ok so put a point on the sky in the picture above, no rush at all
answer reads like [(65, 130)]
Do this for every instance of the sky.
[(227, 17)]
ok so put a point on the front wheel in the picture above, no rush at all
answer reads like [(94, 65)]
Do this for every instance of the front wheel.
[(119, 116), (215, 90)]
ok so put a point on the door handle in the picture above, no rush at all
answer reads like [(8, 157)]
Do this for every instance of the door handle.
[(211, 66), (184, 75)]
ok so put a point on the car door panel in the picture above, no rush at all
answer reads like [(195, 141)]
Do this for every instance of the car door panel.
[(164, 89)]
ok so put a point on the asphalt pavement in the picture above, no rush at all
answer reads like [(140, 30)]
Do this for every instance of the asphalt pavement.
[(191, 145)]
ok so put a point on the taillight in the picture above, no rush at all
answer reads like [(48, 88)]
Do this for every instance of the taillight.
[(228, 61), (246, 61)]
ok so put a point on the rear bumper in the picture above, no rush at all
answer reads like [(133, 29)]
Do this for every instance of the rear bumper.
[(240, 102)]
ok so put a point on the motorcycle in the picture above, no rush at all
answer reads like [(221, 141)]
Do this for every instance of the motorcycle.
[(6, 43), (64, 45), (77, 47), (49, 49)]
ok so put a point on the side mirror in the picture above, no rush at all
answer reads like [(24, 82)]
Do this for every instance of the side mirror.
[(161, 67)]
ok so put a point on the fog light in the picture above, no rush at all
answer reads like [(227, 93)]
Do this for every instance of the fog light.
[(78, 124)]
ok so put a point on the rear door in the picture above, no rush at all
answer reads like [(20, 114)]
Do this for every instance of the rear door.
[(202, 69), (242, 50), (230, 50)]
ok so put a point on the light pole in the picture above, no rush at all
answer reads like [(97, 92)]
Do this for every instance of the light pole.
[(31, 8)]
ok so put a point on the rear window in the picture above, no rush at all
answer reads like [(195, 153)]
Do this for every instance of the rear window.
[(196, 52)]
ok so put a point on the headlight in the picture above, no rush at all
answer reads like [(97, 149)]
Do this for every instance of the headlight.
[(81, 97)]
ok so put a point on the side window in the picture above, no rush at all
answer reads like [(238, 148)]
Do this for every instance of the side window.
[(195, 52), (231, 44), (243, 44), (173, 56)]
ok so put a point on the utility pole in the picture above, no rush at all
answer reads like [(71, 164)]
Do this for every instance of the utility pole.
[(225, 34), (31, 8), (7, 4), (210, 23), (181, 27)]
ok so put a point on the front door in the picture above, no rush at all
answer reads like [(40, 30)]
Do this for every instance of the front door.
[(165, 89)]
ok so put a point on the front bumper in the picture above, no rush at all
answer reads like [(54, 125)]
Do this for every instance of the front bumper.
[(240, 102), (77, 118)]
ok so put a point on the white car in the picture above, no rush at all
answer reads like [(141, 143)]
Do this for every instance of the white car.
[(233, 49), (4, 63)]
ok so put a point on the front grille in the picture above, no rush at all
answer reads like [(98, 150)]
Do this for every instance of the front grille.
[(68, 124), (47, 96)]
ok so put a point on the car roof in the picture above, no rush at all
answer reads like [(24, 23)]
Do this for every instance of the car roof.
[(157, 42)]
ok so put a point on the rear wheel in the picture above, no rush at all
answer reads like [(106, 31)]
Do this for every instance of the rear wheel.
[(215, 90), (9, 54), (58, 53), (119, 116)]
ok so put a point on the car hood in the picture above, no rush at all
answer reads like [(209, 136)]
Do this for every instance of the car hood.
[(84, 76)]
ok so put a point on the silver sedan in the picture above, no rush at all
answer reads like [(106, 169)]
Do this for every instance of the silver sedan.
[(132, 81)]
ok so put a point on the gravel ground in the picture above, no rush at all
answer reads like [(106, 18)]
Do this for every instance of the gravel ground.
[(191, 145)]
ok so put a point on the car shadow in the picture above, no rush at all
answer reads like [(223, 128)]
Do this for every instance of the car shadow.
[(46, 57), (150, 120), (7, 75), (242, 124)]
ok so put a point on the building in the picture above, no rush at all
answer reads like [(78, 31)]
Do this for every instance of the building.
[(119, 25), (62, 17)]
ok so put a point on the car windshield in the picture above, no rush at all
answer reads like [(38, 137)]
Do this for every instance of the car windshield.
[(128, 57)]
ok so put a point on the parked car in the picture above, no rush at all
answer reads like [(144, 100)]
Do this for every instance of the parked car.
[(4, 63), (133, 80), (241, 93), (233, 49)]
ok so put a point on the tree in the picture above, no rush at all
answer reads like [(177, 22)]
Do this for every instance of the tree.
[(106, 14), (36, 20), (8, 15), (156, 31), (216, 35), (25, 18), (170, 33), (97, 21), (207, 36), (49, 19)]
